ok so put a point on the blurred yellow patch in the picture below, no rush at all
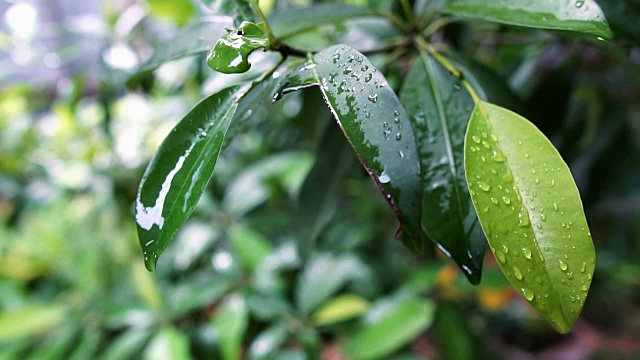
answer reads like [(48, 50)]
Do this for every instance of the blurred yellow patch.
[(494, 299)]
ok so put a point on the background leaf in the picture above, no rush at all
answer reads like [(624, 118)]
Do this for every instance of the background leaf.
[(169, 344), (179, 172), (440, 109), (230, 323), (580, 15), (531, 212)]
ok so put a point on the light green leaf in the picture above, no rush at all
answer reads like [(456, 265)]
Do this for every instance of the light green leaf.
[(384, 335), (530, 211), (340, 308), (180, 170), (30, 320), (230, 322), (440, 108), (179, 11), (169, 344), (250, 246), (572, 15), (268, 341)]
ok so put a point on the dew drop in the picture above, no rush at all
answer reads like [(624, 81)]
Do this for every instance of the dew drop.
[(563, 265), (555, 207), (579, 4), (373, 98), (347, 70), (398, 136), (475, 139), (517, 273), (583, 267), (484, 186), (527, 253), (495, 201), (368, 77), (506, 200), (364, 68), (396, 113), (543, 217), (523, 218), (501, 257), (537, 181), (505, 249), (528, 294), (498, 156), (486, 145), (584, 288), (335, 58)]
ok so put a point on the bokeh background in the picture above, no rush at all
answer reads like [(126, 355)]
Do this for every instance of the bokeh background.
[(256, 273)]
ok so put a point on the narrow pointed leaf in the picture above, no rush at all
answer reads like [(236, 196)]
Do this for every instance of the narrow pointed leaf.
[(530, 211), (440, 109), (230, 53), (375, 123), (580, 15), (180, 170)]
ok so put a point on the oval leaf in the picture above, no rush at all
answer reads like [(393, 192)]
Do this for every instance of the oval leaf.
[(580, 15), (390, 332), (440, 109), (229, 55), (179, 172), (530, 211), (376, 125)]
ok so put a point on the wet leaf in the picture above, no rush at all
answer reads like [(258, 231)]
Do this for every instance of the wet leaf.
[(295, 20), (179, 172), (574, 15), (440, 108), (230, 53), (375, 124), (530, 211), (387, 333)]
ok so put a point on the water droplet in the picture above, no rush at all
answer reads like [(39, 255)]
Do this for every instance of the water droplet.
[(506, 200), (528, 294), (456, 87), (498, 156), (555, 207), (553, 182), (373, 98), (584, 288), (336, 58), (396, 113), (396, 120), (579, 4), (398, 136), (543, 217), (486, 145), (517, 273), (583, 267), (505, 249), (537, 181), (501, 257), (563, 265), (347, 70), (475, 139), (484, 186), (384, 178), (507, 177), (527, 253), (364, 68), (495, 201), (368, 77), (485, 209), (523, 218), (526, 155), (385, 124)]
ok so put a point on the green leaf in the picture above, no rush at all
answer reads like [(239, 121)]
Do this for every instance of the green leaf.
[(195, 39), (179, 11), (229, 55), (383, 335), (126, 346), (30, 320), (250, 246), (295, 20), (238, 9), (230, 322), (323, 276), (375, 124), (169, 344), (179, 172), (340, 308), (268, 341), (440, 108), (530, 211), (574, 15)]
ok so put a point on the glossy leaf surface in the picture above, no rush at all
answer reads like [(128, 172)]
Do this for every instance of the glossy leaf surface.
[(179, 172), (530, 211), (295, 20), (440, 108), (384, 334), (580, 15), (376, 125), (230, 53), (194, 39)]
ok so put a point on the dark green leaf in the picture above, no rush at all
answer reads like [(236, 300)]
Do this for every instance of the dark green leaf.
[(375, 124), (180, 170), (530, 211), (440, 109), (295, 20), (580, 15), (383, 335), (231, 52), (267, 342), (320, 193)]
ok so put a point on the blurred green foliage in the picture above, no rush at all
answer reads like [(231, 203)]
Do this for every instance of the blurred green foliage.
[(255, 273)]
